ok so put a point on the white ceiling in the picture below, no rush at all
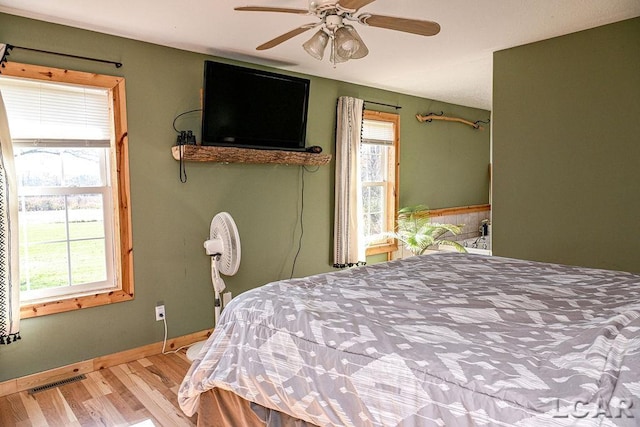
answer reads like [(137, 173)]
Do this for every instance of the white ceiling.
[(454, 66)]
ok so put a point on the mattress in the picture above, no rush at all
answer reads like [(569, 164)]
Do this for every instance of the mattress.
[(446, 339)]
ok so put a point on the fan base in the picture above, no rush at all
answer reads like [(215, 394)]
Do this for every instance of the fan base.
[(194, 350)]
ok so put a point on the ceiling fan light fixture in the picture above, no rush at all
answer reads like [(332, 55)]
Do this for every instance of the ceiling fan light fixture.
[(317, 44), (362, 49), (348, 43), (345, 44), (335, 55)]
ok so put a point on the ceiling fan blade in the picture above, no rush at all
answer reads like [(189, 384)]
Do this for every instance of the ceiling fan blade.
[(414, 26), (284, 37), (354, 4), (271, 9)]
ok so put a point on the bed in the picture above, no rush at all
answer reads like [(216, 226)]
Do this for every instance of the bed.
[(447, 339)]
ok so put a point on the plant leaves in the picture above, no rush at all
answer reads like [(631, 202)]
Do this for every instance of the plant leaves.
[(418, 233)]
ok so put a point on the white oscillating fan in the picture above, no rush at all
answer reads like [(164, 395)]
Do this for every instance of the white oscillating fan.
[(224, 248)]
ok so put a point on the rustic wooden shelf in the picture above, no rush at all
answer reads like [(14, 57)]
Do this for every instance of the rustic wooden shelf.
[(433, 116), (208, 153)]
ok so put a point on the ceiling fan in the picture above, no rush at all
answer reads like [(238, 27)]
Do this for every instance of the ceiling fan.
[(334, 17)]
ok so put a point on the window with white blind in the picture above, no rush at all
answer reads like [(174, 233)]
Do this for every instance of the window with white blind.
[(379, 172), (74, 234)]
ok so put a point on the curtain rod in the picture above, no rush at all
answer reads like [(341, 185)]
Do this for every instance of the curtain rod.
[(397, 107), (7, 48)]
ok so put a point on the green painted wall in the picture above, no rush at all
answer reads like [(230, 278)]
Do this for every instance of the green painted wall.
[(443, 164), (566, 149)]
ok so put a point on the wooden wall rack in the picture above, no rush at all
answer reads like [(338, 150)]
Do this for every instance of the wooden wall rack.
[(433, 116), (209, 153)]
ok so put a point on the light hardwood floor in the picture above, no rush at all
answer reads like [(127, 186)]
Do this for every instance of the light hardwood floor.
[(141, 393)]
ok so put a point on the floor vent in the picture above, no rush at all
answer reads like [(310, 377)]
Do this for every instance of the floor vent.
[(57, 384)]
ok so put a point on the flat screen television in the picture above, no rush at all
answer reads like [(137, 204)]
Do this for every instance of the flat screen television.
[(243, 107)]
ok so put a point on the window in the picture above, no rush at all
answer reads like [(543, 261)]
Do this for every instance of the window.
[(70, 147), (379, 176)]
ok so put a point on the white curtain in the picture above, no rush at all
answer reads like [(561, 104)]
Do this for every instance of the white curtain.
[(348, 231), (9, 279)]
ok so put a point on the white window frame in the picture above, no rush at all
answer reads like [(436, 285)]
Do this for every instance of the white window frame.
[(109, 284), (391, 183), (121, 286)]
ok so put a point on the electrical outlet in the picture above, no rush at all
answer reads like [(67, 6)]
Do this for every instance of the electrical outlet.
[(160, 312)]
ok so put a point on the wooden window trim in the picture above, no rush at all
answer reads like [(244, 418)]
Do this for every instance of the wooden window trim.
[(120, 167), (392, 190), (382, 249)]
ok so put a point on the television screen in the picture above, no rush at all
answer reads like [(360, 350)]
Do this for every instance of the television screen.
[(243, 107)]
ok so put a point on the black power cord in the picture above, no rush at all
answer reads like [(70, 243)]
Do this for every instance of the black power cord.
[(295, 258), (182, 114), (184, 137)]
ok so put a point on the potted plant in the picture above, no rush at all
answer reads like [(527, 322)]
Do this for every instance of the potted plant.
[(418, 233)]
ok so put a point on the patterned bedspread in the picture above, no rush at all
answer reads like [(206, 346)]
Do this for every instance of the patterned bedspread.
[(438, 340)]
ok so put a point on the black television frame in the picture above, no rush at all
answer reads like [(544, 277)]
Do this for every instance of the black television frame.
[(274, 106)]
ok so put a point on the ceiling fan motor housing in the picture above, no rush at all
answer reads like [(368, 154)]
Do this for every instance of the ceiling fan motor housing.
[(333, 22)]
